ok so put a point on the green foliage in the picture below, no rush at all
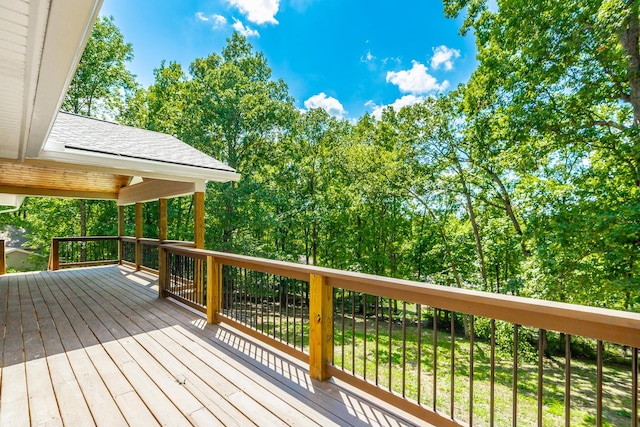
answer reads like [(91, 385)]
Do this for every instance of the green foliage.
[(102, 82)]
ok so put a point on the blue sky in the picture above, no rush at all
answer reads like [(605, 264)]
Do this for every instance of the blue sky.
[(347, 56)]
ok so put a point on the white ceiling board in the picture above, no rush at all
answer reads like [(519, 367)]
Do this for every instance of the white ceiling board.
[(68, 28), (13, 56), (20, 6)]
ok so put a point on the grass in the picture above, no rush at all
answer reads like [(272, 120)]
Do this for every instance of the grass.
[(616, 377), (380, 364)]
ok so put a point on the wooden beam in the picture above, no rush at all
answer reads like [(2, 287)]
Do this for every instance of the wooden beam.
[(47, 192), (154, 189), (198, 225), (320, 326), (138, 235)]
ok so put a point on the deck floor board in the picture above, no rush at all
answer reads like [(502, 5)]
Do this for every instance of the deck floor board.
[(97, 346)]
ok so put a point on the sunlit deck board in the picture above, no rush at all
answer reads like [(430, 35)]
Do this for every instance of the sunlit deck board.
[(97, 346)]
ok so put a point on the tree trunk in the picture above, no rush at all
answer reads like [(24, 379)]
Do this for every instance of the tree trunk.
[(629, 39), (508, 206), (474, 223)]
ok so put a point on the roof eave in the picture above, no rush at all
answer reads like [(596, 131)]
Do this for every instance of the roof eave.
[(68, 28), (136, 167)]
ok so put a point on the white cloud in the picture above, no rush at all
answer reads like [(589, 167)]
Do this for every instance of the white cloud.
[(391, 59), (416, 80), (219, 21), (443, 55), (397, 105), (327, 103), (245, 31), (258, 11), (368, 57)]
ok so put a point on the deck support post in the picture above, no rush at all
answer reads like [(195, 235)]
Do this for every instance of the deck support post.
[(54, 256), (198, 239), (214, 290), (120, 231), (3, 260), (320, 326), (162, 256), (198, 220), (138, 235)]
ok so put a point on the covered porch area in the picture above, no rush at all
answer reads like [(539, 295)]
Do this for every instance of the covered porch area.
[(97, 346)]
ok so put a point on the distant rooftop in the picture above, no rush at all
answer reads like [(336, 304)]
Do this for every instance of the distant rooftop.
[(99, 136)]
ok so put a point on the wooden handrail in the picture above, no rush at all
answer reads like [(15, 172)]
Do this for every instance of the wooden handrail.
[(619, 327), (149, 242), (85, 238)]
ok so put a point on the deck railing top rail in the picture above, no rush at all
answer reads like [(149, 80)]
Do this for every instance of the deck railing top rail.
[(613, 326), (85, 238)]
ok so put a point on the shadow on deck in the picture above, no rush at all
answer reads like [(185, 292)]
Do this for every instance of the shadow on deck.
[(96, 346)]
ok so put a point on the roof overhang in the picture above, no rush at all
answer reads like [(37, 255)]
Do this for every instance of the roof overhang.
[(42, 45), (73, 158)]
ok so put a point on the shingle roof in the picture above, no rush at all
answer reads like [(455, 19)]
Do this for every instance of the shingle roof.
[(98, 136)]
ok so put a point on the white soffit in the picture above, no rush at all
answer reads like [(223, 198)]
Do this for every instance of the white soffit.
[(41, 42)]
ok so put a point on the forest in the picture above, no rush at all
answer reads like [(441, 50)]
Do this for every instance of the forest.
[(523, 181)]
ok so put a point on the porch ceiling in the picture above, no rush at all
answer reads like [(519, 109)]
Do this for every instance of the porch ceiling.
[(34, 180)]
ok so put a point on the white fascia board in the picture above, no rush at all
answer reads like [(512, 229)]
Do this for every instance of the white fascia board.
[(137, 167), (68, 28), (36, 33)]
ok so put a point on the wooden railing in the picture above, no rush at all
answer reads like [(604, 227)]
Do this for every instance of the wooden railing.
[(83, 251), (448, 355), (141, 253)]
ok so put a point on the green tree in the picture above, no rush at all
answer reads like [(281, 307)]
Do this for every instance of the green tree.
[(102, 81), (558, 101), (235, 112)]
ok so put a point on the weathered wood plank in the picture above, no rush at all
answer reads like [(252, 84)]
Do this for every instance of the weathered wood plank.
[(40, 389), (27, 311), (14, 408)]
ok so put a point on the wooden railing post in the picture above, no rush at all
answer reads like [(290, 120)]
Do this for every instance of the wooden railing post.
[(162, 256), (55, 255), (3, 260), (321, 326), (120, 231), (138, 235), (198, 239), (214, 289)]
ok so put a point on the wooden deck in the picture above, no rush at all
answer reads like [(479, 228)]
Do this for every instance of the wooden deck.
[(95, 346)]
